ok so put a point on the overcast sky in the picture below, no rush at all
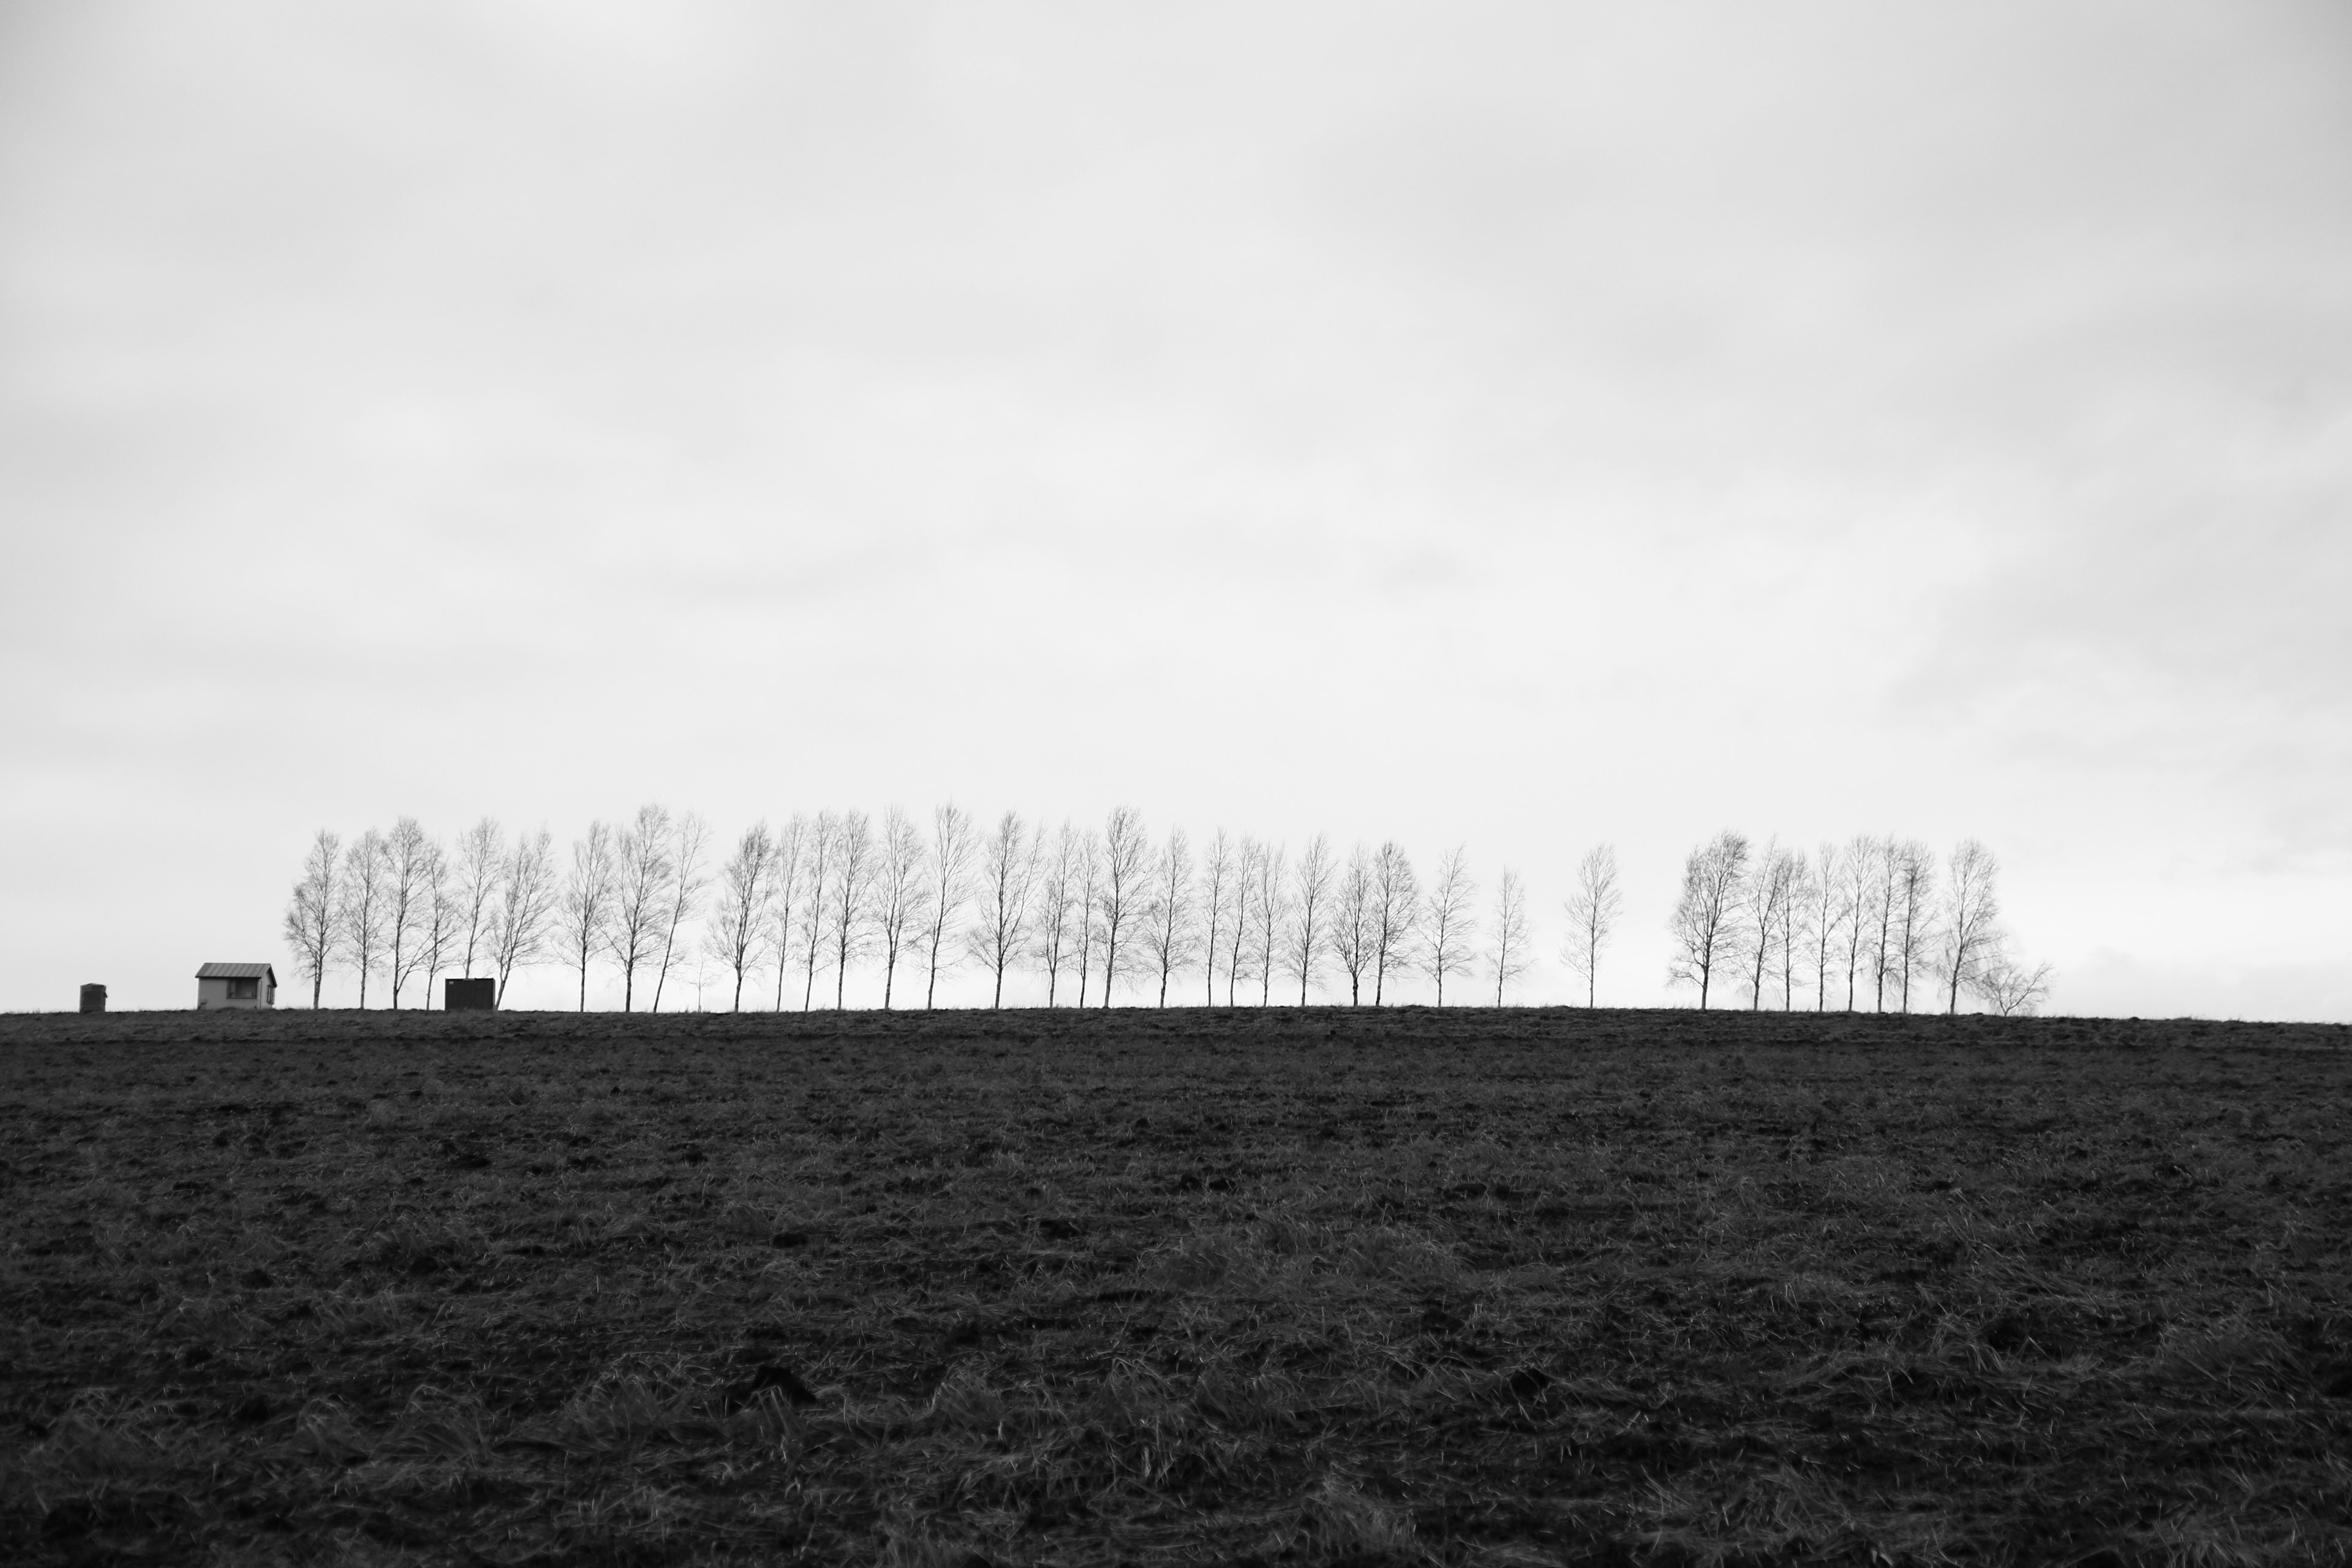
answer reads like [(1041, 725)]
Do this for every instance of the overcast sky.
[(1521, 427)]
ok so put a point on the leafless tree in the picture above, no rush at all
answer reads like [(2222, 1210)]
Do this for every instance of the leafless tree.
[(1060, 878), (952, 848), (1240, 953), (1350, 930), (1311, 914), (739, 923), (1220, 882), (849, 905), (1511, 951), (313, 915), (1971, 923), (1702, 924), (1856, 886), (1826, 913), (1169, 927), (527, 902), (1593, 913), (481, 861), (1795, 925), (1884, 909), (1396, 914), (1450, 945), (437, 931), (1760, 917), (820, 853), (1126, 886), (1915, 896), (689, 839), (2008, 988), (792, 927), (899, 894), (364, 904), (1089, 908), (1008, 873), (635, 914), (407, 860), (1269, 915), (588, 898)]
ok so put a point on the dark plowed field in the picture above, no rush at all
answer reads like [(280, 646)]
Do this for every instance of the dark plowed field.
[(1303, 1287)]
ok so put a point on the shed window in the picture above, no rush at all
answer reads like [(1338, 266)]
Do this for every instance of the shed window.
[(244, 990)]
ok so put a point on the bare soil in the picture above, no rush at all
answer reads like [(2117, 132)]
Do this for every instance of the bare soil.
[(1325, 1286)]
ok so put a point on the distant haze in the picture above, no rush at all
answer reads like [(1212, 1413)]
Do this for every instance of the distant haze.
[(1522, 427)]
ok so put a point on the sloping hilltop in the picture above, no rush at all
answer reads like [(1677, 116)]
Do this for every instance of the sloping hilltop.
[(1280, 1286)]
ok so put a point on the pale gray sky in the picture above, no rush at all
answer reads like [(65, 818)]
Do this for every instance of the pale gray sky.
[(1520, 426)]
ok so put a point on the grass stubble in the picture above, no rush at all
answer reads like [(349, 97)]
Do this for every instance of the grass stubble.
[(1292, 1285)]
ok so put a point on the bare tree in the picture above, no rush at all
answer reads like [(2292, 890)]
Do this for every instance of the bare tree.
[(1453, 934), (1269, 916), (1972, 922), (1863, 854), (314, 927), (526, 906), (1060, 877), (635, 914), (1396, 914), (481, 861), (1125, 885), (690, 837), (1311, 914), (1511, 951), (1883, 908), (1826, 914), (1089, 912), (849, 904), (1169, 928), (2008, 988), (792, 902), (899, 893), (1760, 917), (1593, 913), (821, 855), (1248, 856), (1008, 873), (407, 860), (952, 848), (1702, 923), (1350, 928), (364, 905), (1795, 925), (436, 932), (588, 898), (738, 930), (1220, 882), (1915, 898)]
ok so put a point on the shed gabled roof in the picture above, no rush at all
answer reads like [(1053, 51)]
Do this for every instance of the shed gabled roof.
[(238, 971)]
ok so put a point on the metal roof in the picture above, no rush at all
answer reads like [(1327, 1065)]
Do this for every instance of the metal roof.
[(238, 971)]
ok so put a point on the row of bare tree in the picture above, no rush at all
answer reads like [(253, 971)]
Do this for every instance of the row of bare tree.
[(1874, 911), (399, 906), (1088, 909), (1091, 909)]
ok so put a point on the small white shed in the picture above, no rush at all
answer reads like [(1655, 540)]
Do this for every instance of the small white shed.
[(236, 985)]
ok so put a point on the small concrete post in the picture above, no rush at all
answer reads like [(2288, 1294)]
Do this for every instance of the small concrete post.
[(93, 999)]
